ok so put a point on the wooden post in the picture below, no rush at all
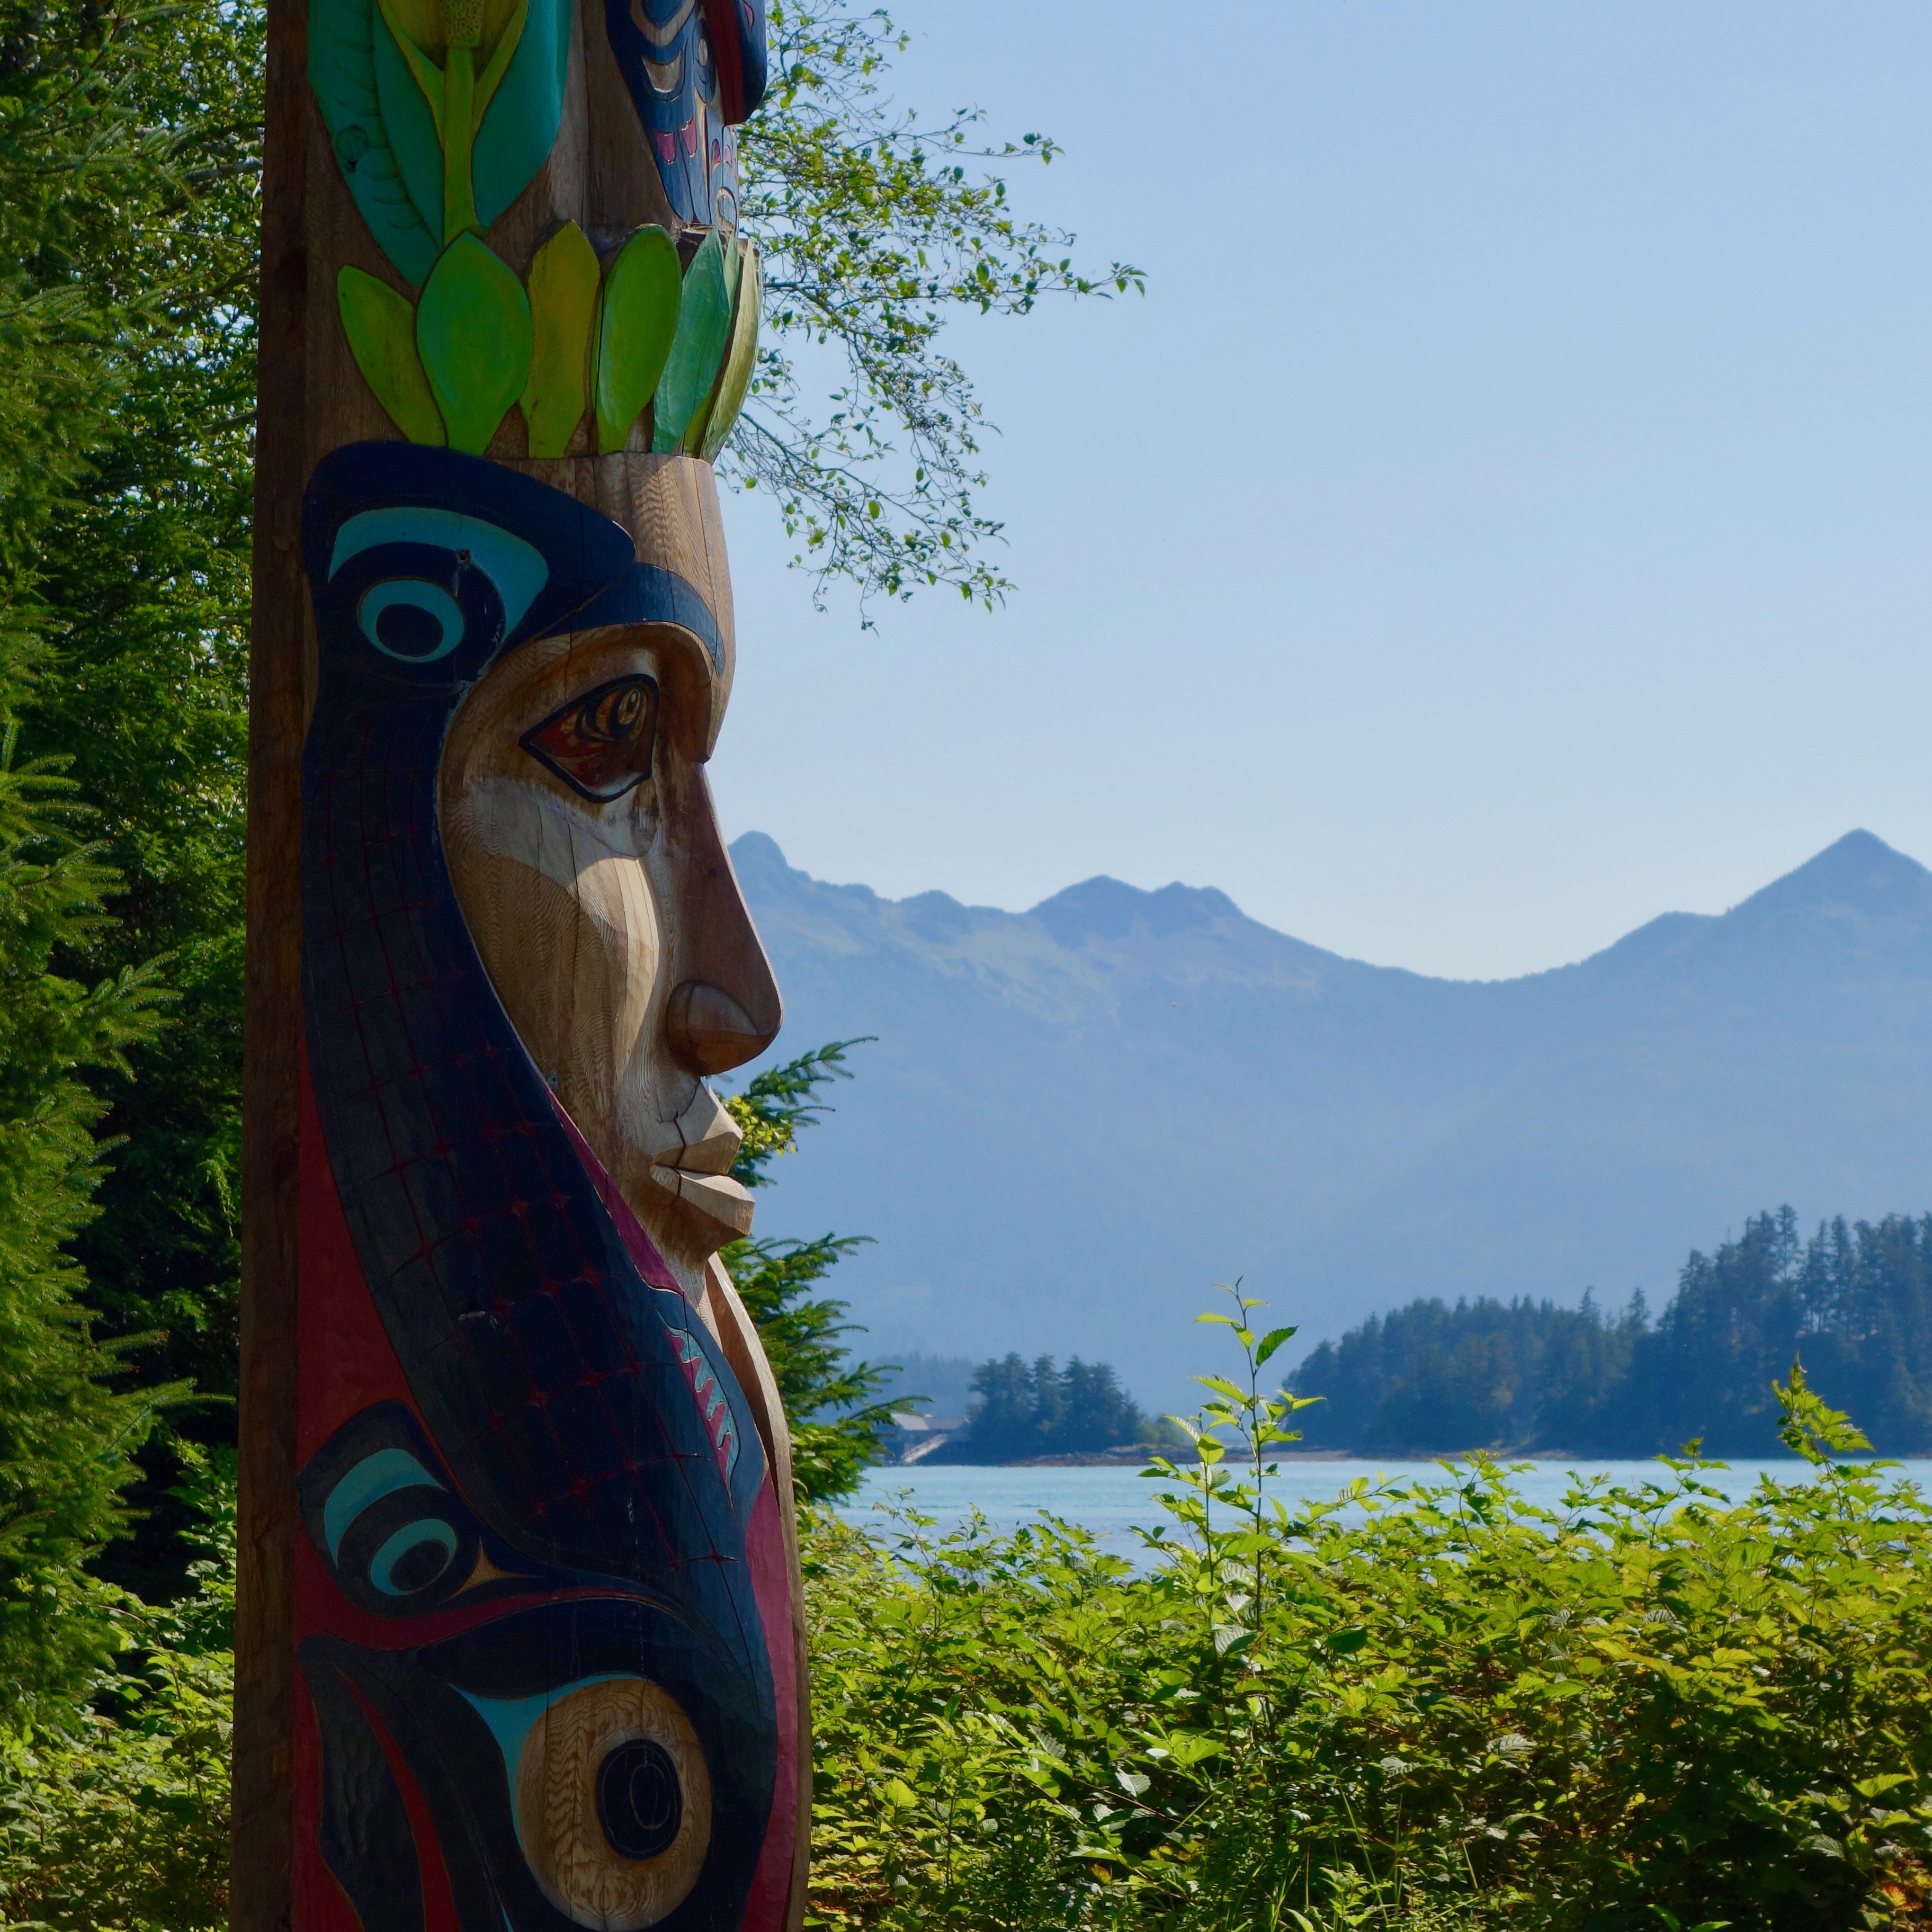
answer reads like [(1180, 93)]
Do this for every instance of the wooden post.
[(518, 1636)]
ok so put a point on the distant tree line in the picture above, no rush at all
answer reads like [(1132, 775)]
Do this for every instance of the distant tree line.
[(1034, 1409), (1854, 1302)]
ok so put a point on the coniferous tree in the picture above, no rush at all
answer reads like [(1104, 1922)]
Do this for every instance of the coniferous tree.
[(835, 1406)]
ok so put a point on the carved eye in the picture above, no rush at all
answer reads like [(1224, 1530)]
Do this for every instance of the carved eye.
[(600, 744), (392, 1528), (613, 1803), (411, 618)]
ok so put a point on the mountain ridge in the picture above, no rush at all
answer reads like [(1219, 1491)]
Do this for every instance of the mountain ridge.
[(1078, 1116)]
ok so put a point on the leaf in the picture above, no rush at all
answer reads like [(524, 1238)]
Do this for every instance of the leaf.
[(637, 321), (740, 360), (380, 325), (518, 128), (899, 1794), (703, 320), (409, 89), (473, 333), (1270, 1341), (1221, 1385), (342, 39), (563, 284), (1345, 1643), (1133, 1783)]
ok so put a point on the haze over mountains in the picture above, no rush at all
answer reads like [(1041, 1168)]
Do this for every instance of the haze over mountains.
[(1077, 1118)]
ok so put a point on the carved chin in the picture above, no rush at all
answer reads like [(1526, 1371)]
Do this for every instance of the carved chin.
[(713, 1205)]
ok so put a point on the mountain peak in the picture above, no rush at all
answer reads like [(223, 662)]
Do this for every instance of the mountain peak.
[(1104, 908), (1859, 875)]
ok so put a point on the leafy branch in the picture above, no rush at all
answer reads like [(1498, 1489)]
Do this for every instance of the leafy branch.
[(876, 228)]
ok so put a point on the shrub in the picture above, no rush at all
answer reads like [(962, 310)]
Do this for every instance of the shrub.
[(1650, 1707)]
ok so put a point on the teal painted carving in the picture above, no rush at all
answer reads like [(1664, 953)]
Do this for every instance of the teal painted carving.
[(519, 125), (410, 126), (473, 333), (342, 71), (704, 324), (441, 112)]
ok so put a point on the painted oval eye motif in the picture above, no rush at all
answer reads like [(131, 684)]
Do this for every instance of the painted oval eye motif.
[(640, 1802), (600, 744), (613, 1804), (391, 1528), (413, 1558), (411, 618)]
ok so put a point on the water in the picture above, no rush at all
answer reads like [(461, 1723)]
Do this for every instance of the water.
[(1110, 1503)]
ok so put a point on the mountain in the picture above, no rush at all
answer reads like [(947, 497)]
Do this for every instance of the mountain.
[(1076, 1119)]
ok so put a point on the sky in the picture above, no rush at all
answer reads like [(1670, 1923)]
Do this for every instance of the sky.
[(1504, 519)]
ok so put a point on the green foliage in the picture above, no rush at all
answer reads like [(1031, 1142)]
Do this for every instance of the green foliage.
[(1035, 1409), (1427, 1704), (118, 1817), (75, 153), (874, 226), (128, 175), (65, 1437), (130, 169), (833, 1402), (1484, 1374), (1858, 1300)]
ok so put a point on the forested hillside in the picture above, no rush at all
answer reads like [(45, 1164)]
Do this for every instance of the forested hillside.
[(1144, 1092), (1853, 1301)]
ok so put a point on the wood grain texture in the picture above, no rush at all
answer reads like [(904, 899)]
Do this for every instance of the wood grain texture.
[(598, 912), (591, 915), (261, 1893), (731, 1322)]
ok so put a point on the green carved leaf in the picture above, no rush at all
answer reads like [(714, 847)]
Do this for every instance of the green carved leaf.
[(519, 124), (741, 359), (342, 71), (731, 251), (637, 323), (381, 328), (704, 323), (564, 277), (409, 120), (473, 333)]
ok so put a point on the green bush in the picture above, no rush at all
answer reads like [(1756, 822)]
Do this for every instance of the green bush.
[(1422, 1704), (1428, 1706), (118, 1817)]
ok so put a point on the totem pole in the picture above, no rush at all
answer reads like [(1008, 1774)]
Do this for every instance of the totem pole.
[(519, 1642)]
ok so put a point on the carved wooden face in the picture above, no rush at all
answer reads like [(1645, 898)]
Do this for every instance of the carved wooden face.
[(587, 858)]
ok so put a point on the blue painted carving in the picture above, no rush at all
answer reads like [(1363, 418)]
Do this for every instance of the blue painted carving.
[(695, 70), (584, 1471)]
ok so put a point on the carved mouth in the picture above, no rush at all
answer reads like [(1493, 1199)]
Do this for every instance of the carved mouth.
[(716, 1196)]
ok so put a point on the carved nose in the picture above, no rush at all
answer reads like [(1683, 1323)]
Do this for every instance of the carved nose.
[(710, 1032)]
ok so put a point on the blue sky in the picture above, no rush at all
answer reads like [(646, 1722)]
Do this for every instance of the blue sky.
[(1505, 518)]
